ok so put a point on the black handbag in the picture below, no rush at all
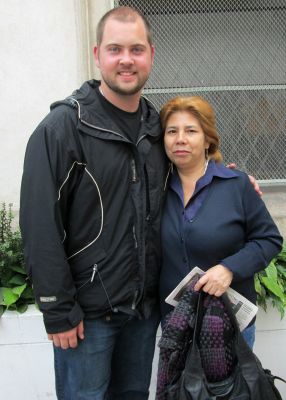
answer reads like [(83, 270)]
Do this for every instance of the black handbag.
[(248, 381)]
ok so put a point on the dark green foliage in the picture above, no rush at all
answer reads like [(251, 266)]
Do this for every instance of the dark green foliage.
[(270, 284), (16, 290)]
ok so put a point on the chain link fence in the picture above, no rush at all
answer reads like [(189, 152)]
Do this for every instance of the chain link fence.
[(233, 53)]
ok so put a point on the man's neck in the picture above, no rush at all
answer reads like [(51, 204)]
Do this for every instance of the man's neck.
[(129, 103)]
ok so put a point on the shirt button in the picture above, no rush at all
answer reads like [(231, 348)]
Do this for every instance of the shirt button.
[(191, 220)]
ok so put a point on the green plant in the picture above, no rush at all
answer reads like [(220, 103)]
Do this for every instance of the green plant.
[(270, 284), (16, 290)]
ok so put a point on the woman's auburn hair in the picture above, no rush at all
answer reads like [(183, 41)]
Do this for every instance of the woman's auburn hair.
[(201, 109)]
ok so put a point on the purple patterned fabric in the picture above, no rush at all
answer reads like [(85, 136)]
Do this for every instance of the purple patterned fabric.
[(215, 340), (174, 342)]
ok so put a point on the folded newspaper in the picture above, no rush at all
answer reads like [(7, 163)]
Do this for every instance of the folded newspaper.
[(243, 309)]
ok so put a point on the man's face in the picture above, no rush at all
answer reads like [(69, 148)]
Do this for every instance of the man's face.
[(124, 57)]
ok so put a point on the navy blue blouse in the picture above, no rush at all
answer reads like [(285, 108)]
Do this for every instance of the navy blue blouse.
[(225, 222)]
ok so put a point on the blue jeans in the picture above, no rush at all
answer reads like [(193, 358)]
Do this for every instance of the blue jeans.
[(113, 361), (249, 335)]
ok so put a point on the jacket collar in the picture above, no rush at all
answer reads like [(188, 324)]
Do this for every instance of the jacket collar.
[(92, 116)]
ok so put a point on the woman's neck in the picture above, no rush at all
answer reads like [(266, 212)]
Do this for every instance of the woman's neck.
[(189, 178)]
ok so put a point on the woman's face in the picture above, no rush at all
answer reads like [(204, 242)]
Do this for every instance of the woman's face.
[(184, 140)]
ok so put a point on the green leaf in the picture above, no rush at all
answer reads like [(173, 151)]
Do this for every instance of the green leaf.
[(2, 310), (277, 303), (9, 297), (22, 308), (28, 293), (281, 270), (17, 280), (19, 289), (271, 271), (257, 284), (273, 287), (16, 268)]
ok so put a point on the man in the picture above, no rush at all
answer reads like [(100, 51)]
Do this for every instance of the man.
[(91, 200)]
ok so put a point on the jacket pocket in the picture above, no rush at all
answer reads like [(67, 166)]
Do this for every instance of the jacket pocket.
[(91, 291), (84, 261)]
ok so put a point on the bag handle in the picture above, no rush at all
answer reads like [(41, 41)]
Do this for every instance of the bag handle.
[(193, 366)]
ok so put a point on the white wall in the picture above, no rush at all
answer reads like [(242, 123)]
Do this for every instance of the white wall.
[(44, 57)]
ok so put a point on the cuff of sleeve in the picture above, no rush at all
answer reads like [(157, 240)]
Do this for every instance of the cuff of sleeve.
[(69, 321), (231, 265)]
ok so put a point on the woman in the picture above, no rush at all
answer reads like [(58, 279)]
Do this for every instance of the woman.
[(213, 217)]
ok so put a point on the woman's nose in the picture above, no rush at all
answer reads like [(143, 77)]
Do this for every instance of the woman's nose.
[(181, 137)]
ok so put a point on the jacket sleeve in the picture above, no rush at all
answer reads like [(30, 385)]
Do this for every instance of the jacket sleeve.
[(262, 238), (47, 161)]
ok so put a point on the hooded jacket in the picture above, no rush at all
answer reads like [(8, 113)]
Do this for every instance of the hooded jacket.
[(90, 211)]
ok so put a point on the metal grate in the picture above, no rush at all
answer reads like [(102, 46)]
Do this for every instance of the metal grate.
[(234, 54)]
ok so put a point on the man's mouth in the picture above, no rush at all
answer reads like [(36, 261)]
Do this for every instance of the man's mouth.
[(126, 73)]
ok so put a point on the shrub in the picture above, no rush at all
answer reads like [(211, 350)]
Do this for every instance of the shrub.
[(16, 289)]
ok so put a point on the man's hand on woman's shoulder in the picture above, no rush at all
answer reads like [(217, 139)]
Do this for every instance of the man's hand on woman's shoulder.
[(251, 178)]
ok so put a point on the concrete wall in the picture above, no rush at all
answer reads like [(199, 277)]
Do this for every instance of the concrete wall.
[(274, 197), (46, 53)]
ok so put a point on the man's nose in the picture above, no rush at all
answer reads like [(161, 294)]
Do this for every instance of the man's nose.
[(126, 57)]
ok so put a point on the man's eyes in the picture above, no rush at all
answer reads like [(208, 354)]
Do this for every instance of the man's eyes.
[(117, 49), (114, 49), (137, 50)]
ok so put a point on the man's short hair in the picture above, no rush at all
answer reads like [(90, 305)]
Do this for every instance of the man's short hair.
[(123, 14)]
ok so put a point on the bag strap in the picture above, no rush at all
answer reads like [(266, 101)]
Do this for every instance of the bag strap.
[(193, 366), (250, 365)]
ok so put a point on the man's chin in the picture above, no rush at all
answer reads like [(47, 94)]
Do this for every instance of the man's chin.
[(128, 90)]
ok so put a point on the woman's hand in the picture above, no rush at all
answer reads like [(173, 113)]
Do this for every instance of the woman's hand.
[(215, 281)]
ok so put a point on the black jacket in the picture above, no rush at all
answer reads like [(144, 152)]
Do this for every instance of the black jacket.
[(90, 211)]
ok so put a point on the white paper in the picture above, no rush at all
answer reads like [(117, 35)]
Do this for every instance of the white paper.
[(243, 309)]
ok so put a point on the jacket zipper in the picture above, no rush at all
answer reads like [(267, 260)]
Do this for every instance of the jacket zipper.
[(134, 179), (133, 306), (133, 170), (134, 237)]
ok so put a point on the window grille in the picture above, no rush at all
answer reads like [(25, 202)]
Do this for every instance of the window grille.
[(234, 55)]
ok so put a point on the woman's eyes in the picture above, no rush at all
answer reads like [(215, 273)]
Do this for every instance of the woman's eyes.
[(174, 131), (171, 131)]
